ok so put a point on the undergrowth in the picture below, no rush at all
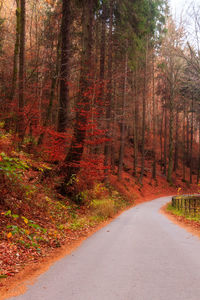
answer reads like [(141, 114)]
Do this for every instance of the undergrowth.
[(34, 218), (188, 216)]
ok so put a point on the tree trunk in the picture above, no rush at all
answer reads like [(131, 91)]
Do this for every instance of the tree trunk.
[(176, 153), (101, 96), (144, 115), (52, 94), (109, 93), (21, 124), (191, 140), (16, 53), (161, 141), (15, 64), (154, 128), (198, 173), (188, 142), (75, 153), (102, 52), (122, 137), (113, 128), (165, 143), (64, 72), (49, 110), (171, 123), (184, 152), (135, 127)]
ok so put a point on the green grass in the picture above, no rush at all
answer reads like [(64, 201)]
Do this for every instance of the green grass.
[(181, 213)]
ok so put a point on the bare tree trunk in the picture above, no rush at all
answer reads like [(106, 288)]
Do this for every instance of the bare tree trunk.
[(165, 143), (143, 116), (122, 137), (176, 153), (15, 63), (109, 94), (135, 127), (154, 128), (103, 50), (64, 72), (113, 135), (188, 142), (184, 152), (161, 142), (171, 123), (16, 53), (21, 125), (52, 93), (198, 173), (191, 140)]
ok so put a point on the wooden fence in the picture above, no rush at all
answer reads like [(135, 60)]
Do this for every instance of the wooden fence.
[(189, 204)]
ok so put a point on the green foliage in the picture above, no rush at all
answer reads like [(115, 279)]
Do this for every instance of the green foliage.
[(182, 213), (73, 180), (2, 124), (12, 167), (80, 198), (29, 235), (78, 224)]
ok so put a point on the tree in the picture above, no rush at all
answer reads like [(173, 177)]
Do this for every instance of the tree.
[(124, 96), (16, 51), (109, 101), (21, 125), (73, 158), (64, 72), (172, 66)]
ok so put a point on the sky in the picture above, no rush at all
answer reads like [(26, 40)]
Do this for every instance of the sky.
[(179, 6), (182, 11)]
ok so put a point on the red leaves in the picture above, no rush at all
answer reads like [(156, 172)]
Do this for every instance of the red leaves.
[(55, 144)]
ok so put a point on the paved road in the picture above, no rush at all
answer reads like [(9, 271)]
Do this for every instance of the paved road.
[(141, 255)]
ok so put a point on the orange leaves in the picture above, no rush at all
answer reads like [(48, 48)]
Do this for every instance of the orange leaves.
[(25, 221), (50, 2), (9, 235)]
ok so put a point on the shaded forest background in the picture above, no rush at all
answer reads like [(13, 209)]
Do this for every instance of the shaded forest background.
[(82, 80), (99, 107)]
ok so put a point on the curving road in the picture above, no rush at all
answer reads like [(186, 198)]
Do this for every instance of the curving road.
[(141, 255)]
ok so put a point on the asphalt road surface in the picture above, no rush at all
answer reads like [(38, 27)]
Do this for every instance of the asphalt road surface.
[(141, 255)]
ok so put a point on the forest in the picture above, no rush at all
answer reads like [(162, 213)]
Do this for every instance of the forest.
[(99, 108)]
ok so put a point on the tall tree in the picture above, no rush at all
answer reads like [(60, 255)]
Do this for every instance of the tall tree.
[(124, 97), (21, 124), (64, 72), (16, 51), (144, 99), (154, 121), (109, 89), (76, 149), (172, 66)]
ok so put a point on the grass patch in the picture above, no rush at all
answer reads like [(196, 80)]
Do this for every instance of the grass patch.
[(181, 213), (107, 204), (79, 223), (103, 207)]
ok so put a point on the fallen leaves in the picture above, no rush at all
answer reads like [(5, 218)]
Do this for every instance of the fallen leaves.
[(9, 235)]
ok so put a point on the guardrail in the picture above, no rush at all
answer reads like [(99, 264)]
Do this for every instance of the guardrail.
[(189, 204)]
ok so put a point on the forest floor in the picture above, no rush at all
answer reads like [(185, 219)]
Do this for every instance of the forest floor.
[(38, 226), (17, 262)]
